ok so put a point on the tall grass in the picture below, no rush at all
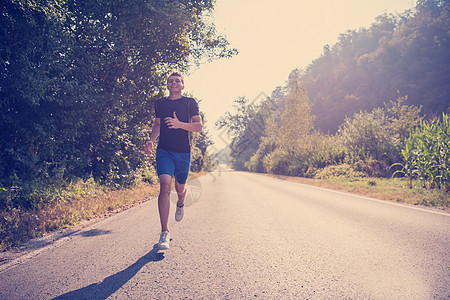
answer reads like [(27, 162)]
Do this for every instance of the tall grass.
[(427, 154)]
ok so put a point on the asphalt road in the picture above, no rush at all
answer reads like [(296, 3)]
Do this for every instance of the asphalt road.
[(246, 236)]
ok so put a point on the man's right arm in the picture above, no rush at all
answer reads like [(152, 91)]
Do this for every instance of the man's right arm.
[(153, 136)]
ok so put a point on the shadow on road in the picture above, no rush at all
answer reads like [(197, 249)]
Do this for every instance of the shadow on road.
[(94, 232), (114, 282)]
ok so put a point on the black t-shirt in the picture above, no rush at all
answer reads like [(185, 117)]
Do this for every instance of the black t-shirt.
[(175, 140)]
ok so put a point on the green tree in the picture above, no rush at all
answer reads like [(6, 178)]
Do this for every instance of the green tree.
[(246, 127), (79, 79), (200, 142), (296, 121), (33, 71), (289, 131), (407, 52)]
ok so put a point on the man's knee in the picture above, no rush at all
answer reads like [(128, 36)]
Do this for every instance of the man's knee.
[(165, 188), (180, 188)]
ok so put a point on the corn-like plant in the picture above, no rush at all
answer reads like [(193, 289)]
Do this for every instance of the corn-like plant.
[(427, 154), (409, 167), (444, 151)]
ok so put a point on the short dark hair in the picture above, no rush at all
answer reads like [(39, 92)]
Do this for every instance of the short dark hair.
[(176, 73)]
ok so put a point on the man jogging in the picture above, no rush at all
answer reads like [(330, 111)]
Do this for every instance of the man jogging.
[(176, 115)]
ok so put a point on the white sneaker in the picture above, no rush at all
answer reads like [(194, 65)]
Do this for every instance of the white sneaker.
[(179, 213), (164, 241)]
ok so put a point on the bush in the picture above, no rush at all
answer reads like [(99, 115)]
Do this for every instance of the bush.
[(256, 163), (276, 162), (342, 170), (368, 135), (373, 167), (324, 150)]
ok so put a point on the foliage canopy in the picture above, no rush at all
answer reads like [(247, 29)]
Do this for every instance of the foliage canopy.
[(406, 53), (349, 91), (78, 81)]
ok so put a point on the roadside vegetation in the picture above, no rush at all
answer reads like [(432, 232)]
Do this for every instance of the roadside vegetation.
[(359, 118), (79, 80), (78, 83), (79, 201), (389, 189)]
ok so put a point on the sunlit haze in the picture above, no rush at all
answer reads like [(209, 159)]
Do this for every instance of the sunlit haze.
[(273, 38)]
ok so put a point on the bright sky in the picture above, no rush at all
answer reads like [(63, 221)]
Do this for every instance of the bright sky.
[(273, 38)]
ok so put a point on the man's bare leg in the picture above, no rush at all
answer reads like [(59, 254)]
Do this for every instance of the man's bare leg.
[(164, 200), (181, 192)]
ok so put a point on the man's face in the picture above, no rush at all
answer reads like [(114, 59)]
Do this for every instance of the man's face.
[(175, 84)]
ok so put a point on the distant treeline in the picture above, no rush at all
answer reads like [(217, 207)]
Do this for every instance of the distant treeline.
[(78, 80), (407, 53), (350, 112)]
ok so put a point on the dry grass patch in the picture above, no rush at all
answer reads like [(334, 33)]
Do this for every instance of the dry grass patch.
[(18, 226), (394, 189), (80, 201)]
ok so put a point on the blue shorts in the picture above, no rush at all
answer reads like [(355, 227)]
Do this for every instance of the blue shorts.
[(173, 164)]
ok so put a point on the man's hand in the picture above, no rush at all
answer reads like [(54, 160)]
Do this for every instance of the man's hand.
[(173, 123), (149, 148)]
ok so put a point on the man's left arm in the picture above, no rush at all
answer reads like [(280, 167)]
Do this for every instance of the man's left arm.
[(195, 125)]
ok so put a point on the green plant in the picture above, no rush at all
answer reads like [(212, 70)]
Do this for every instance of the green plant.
[(339, 171), (426, 154), (409, 168)]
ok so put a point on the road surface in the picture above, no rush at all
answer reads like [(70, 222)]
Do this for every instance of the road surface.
[(246, 236)]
